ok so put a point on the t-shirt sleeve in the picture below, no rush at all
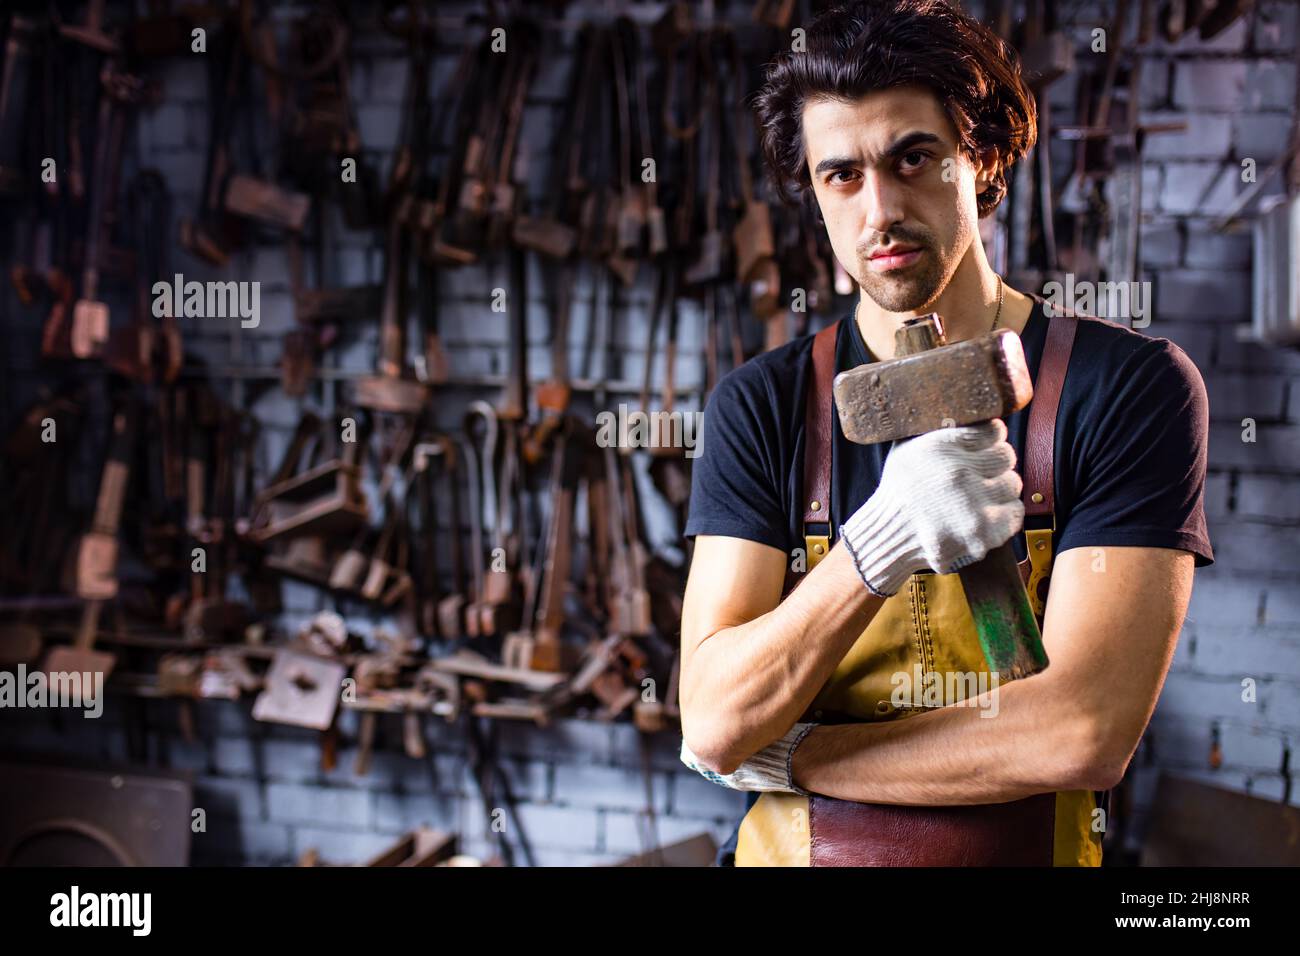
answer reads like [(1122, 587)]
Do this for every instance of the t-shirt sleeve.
[(1141, 481), (734, 484)]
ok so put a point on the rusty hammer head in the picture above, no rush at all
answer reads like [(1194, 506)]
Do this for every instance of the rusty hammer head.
[(932, 384)]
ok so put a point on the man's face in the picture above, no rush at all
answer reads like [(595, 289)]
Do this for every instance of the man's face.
[(888, 176)]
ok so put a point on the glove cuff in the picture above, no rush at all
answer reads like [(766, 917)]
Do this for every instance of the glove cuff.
[(766, 771), (879, 540)]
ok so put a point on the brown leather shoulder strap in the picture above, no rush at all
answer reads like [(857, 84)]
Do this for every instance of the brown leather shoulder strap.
[(818, 409), (1040, 439)]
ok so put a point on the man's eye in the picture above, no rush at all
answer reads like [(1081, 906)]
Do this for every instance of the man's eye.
[(918, 159), (841, 172)]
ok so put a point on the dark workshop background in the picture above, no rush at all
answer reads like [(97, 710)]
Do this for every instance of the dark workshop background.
[(580, 784)]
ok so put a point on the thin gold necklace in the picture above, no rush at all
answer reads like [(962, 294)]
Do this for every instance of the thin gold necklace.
[(997, 317)]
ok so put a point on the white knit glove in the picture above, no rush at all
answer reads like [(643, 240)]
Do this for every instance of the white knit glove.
[(946, 498), (766, 771)]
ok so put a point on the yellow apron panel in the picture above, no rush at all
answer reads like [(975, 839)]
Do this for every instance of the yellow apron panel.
[(925, 627), (775, 832)]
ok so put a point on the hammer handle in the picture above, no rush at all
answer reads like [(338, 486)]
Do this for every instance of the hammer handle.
[(999, 604)]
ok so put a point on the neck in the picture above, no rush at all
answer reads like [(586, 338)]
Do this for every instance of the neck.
[(967, 304)]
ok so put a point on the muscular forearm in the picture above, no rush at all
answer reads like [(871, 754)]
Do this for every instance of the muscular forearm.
[(953, 755), (747, 684)]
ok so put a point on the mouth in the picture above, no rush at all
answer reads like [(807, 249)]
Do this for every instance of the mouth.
[(893, 258)]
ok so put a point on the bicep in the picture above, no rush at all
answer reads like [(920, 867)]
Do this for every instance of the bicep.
[(1111, 626), (731, 581)]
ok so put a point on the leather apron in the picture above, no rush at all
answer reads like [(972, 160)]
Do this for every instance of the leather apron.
[(926, 628)]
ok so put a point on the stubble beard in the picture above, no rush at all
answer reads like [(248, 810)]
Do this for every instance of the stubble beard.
[(904, 290)]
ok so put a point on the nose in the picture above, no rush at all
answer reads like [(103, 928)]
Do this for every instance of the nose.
[(881, 200)]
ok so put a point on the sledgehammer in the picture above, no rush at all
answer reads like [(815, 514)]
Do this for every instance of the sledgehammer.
[(931, 384)]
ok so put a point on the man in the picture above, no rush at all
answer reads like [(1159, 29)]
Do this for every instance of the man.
[(900, 122)]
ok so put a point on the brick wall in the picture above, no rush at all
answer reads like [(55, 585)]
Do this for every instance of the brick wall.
[(579, 783), (1237, 93)]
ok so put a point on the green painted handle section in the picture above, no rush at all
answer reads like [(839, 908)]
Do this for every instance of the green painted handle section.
[(999, 604)]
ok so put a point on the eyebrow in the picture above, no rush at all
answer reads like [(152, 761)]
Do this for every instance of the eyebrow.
[(900, 147)]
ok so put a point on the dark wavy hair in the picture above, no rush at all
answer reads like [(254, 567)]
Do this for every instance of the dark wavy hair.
[(856, 48)]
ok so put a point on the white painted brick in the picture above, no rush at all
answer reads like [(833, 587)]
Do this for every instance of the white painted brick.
[(1248, 651), (1235, 396), (379, 124), (568, 740), (1153, 88), (1234, 84), (1268, 497), (292, 803), (1217, 251), (233, 756), (693, 796), (1279, 702), (269, 264), (528, 778), (213, 717), (1210, 84), (163, 127), (1222, 778), (1250, 748), (401, 812), (274, 315), (572, 828), (622, 832), (291, 760), (1257, 547), (1153, 188), (386, 80), (1202, 294), (1266, 786), (1184, 184), (1260, 136), (585, 785), (241, 842), (1275, 27), (1276, 447), (1282, 602), (185, 78), (1270, 85), (1207, 136), (181, 754), (1184, 660), (1182, 742), (1231, 40), (1217, 490), (231, 798), (183, 169), (664, 747), (1195, 338), (553, 78), (300, 597), (548, 857), (472, 284), (1162, 245), (339, 847), (390, 769), (1188, 696)]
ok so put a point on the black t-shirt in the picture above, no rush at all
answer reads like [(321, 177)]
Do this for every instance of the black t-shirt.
[(1131, 435)]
